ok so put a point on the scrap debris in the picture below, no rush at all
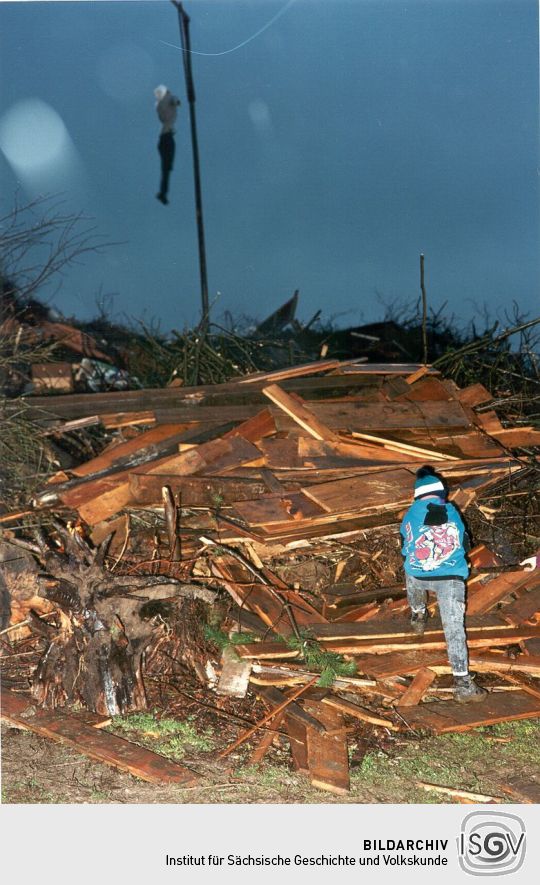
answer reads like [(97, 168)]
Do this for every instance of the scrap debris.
[(279, 494)]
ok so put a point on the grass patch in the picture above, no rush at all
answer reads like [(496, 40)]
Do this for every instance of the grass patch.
[(470, 761), (170, 737)]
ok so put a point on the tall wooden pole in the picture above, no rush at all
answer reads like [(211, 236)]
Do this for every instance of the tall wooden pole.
[(183, 20), (424, 313)]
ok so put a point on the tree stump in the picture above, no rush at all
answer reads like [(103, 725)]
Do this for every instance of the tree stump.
[(102, 622)]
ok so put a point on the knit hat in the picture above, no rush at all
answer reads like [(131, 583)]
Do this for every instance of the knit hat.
[(428, 483)]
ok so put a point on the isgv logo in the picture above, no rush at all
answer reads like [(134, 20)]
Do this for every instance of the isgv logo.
[(491, 844)]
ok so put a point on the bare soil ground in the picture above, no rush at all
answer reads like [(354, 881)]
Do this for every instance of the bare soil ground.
[(487, 761)]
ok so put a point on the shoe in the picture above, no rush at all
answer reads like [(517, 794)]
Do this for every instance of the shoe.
[(466, 691), (162, 199), (418, 621)]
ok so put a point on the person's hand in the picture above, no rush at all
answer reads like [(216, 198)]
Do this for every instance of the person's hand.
[(530, 563)]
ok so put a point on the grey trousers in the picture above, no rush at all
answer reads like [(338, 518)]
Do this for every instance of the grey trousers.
[(451, 599)]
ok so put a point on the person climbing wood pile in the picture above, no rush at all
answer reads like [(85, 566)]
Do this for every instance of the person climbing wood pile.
[(435, 544)]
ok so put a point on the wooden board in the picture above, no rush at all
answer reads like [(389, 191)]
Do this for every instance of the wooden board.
[(271, 509), (115, 420), (298, 741), (298, 411), (90, 741), (493, 662), (474, 395), (327, 757), (239, 451), (99, 499), (276, 698), (256, 428), (399, 663), (418, 687), (482, 556), (234, 677), (194, 491), (139, 443), (485, 596), (292, 372), (444, 716), (357, 712), (371, 417), (281, 453), (517, 437), (524, 608), (387, 489), (475, 639), (491, 625)]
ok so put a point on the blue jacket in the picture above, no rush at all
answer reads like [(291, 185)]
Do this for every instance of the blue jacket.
[(435, 541)]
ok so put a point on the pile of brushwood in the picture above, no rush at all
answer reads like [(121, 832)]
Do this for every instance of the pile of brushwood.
[(222, 505), (245, 535)]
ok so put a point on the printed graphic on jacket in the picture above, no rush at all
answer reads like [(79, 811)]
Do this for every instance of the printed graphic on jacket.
[(435, 545)]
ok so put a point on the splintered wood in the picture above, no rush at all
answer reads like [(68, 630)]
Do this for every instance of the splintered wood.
[(258, 468)]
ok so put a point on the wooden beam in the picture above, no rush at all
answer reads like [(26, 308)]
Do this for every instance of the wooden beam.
[(90, 741)]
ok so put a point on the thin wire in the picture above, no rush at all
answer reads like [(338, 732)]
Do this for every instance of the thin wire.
[(264, 28)]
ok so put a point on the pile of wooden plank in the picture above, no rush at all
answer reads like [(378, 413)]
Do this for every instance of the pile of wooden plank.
[(291, 460)]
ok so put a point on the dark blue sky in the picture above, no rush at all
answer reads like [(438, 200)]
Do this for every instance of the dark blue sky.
[(346, 139)]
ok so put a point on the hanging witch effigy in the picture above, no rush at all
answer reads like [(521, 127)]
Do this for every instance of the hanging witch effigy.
[(166, 107)]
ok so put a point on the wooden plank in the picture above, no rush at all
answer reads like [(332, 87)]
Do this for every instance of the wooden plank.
[(489, 421), (386, 489), (418, 687), (399, 664), (357, 416), (436, 641), (234, 677), (298, 740), (292, 372), (270, 509), (297, 410), (424, 390), (474, 395), (266, 740), (349, 452), (472, 444), (271, 483), (327, 757), (195, 491), (482, 556), (445, 716), (276, 698), (254, 429), (127, 419), (143, 441), (517, 437), (405, 448), (238, 451), (281, 453), (101, 498), (524, 608), (390, 629), (387, 369), (90, 741), (486, 596), (415, 376), (357, 712)]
